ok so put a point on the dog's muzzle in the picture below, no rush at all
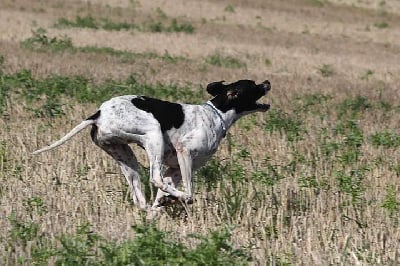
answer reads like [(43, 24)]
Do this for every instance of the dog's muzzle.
[(267, 86)]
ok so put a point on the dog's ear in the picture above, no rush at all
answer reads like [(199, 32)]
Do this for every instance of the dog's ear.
[(216, 88)]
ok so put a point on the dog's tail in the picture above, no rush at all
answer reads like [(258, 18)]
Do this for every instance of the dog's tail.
[(84, 124)]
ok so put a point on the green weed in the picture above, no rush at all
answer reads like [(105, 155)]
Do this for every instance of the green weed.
[(216, 249), (390, 203), (175, 26), (3, 156), (267, 62), (386, 139), (352, 183), (80, 22), (319, 3), (35, 205), (381, 25), (290, 126), (308, 182), (149, 247), (106, 24), (22, 232), (230, 9), (367, 75), (79, 249), (26, 234), (352, 107), (40, 41), (210, 174), (83, 90), (352, 140), (326, 71), (224, 61), (396, 169), (307, 102), (3, 87)]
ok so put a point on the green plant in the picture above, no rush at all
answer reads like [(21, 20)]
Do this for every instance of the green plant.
[(352, 107), (216, 249), (150, 247), (386, 139), (35, 205), (33, 90), (306, 102), (22, 232), (319, 3), (352, 183), (4, 88), (381, 25), (308, 182), (79, 249), (80, 22), (26, 234), (367, 75), (286, 124), (224, 61), (3, 156), (210, 174), (390, 202), (42, 45), (174, 26), (92, 23), (230, 8), (40, 41), (326, 70), (353, 138), (117, 26), (51, 108), (160, 13)]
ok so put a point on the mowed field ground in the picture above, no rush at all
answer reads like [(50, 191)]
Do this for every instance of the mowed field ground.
[(314, 181)]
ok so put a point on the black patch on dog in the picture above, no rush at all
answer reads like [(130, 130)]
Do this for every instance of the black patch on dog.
[(94, 116), (167, 114), (240, 95), (93, 133)]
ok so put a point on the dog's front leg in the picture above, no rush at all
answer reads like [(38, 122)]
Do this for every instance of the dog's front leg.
[(155, 150), (185, 163)]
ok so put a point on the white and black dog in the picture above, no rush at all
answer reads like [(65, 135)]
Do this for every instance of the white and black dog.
[(180, 136)]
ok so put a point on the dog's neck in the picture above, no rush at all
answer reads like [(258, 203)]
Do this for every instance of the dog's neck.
[(227, 117)]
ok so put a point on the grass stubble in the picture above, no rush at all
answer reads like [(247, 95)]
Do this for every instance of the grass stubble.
[(313, 181)]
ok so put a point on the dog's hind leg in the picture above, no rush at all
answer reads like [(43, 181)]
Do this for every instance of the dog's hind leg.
[(127, 161)]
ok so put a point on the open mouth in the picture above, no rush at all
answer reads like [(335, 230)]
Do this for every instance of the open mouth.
[(262, 107)]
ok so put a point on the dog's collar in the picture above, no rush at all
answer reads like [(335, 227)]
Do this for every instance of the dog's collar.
[(215, 110)]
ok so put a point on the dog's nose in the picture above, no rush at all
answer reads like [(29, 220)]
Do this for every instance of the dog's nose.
[(266, 85)]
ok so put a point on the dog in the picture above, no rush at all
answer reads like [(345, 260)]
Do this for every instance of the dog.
[(181, 137)]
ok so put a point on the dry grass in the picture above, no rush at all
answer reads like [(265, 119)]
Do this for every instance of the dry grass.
[(290, 43)]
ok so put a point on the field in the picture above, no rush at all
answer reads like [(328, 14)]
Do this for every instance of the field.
[(313, 181)]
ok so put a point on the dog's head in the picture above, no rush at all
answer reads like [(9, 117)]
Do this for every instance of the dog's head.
[(240, 96)]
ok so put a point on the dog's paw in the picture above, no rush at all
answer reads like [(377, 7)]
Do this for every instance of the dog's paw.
[(188, 200), (168, 200)]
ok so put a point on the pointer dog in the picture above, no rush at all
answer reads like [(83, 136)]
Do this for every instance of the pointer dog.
[(180, 136)]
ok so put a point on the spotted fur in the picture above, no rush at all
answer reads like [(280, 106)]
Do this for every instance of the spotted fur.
[(180, 136)]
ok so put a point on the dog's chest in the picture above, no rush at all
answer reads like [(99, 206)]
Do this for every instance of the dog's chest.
[(199, 158), (200, 135)]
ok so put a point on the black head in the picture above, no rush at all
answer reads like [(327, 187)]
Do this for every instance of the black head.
[(241, 96)]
